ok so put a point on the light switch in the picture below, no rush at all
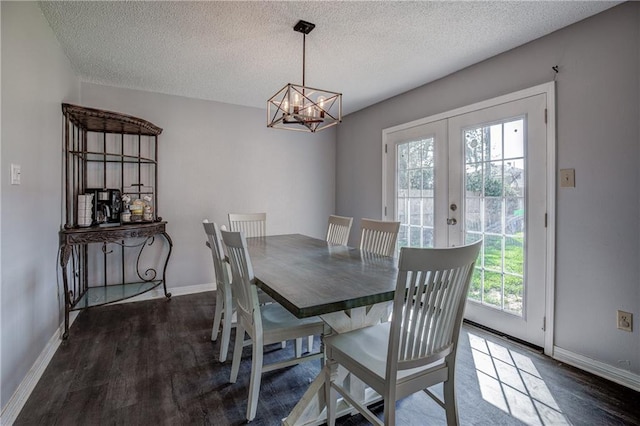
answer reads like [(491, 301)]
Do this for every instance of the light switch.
[(567, 178), (15, 174)]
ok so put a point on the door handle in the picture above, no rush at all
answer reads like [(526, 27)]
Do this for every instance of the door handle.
[(452, 221)]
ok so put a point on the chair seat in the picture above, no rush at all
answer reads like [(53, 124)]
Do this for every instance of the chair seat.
[(364, 352), (278, 322)]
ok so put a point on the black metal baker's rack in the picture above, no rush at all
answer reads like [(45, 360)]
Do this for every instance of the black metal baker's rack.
[(107, 149)]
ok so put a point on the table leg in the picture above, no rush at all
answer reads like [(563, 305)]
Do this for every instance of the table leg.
[(311, 409)]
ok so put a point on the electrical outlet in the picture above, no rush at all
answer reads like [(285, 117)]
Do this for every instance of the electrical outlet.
[(625, 321)]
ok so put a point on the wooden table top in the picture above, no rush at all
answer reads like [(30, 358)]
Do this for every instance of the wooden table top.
[(311, 277)]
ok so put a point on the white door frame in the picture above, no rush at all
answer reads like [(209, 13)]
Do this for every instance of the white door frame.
[(549, 90)]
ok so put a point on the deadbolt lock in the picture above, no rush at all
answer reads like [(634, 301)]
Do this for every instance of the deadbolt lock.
[(453, 207)]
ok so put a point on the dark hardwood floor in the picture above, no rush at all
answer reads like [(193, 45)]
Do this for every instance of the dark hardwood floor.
[(152, 363)]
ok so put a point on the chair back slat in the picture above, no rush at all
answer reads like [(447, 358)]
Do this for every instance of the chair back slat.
[(339, 229), (220, 266), (245, 291), (251, 224), (378, 236), (429, 304)]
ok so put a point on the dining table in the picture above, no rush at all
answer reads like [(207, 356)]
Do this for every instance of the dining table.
[(346, 287)]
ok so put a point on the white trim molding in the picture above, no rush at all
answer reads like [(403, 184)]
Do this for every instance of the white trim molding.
[(158, 292), (19, 398), (609, 372), (549, 90), (11, 411)]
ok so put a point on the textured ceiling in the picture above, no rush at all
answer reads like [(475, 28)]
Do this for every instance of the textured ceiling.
[(243, 52)]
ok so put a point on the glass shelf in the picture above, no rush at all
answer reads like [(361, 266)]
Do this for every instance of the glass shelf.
[(111, 157), (96, 296)]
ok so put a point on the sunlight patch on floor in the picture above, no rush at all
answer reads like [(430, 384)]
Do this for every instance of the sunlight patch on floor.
[(511, 382)]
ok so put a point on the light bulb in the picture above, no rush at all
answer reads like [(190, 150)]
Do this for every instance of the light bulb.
[(296, 103), (321, 100)]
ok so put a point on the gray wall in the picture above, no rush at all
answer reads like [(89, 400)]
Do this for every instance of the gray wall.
[(214, 158), (36, 78), (217, 158), (598, 132)]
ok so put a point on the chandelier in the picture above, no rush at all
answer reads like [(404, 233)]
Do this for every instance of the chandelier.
[(302, 108)]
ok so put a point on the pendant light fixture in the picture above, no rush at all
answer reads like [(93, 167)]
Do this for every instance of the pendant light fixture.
[(302, 108)]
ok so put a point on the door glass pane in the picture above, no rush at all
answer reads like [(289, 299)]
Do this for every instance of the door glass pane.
[(402, 184), (492, 289), (403, 236), (514, 216), (475, 288), (415, 192), (427, 213), (495, 211), (402, 209), (473, 213), (427, 237), (415, 205), (493, 215), (514, 139), (402, 157), (513, 288), (495, 142), (415, 236), (415, 183)]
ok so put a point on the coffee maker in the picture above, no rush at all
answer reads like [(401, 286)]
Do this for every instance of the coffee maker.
[(107, 205)]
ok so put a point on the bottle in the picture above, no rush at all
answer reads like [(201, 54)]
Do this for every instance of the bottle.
[(126, 215), (147, 216)]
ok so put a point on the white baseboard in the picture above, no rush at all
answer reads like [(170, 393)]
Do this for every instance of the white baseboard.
[(609, 372), (158, 292), (11, 411), (19, 398)]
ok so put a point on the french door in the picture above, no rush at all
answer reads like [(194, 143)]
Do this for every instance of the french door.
[(481, 174)]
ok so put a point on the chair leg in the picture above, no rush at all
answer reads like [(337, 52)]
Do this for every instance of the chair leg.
[(226, 336), (310, 344), (389, 412), (450, 405), (256, 376), (226, 327), (449, 391), (390, 404), (331, 395), (237, 353), (217, 316)]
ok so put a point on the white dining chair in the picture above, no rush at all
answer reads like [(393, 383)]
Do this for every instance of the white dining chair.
[(252, 224), (255, 225), (339, 229), (378, 236), (417, 349), (265, 324), (224, 290), (224, 300)]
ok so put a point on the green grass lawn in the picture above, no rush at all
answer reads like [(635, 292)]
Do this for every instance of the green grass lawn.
[(492, 271)]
